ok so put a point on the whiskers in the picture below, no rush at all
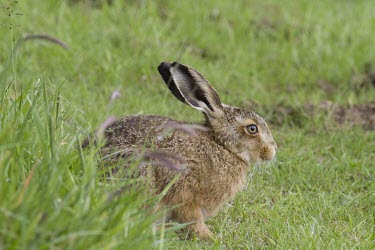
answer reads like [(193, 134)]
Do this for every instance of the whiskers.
[(252, 173), (270, 163), (260, 167)]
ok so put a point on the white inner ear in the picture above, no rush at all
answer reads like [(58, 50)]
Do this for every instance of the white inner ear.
[(202, 107), (183, 84)]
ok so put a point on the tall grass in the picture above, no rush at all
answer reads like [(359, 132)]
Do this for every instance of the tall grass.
[(51, 193)]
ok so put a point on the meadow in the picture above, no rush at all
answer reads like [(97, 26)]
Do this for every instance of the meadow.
[(307, 67)]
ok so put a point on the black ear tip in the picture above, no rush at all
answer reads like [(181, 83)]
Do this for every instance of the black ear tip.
[(164, 67)]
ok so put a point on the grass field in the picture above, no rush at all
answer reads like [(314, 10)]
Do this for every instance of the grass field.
[(308, 67)]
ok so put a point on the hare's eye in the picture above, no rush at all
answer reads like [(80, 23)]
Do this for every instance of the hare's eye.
[(252, 129)]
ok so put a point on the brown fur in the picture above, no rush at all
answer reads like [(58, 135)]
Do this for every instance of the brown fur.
[(217, 159)]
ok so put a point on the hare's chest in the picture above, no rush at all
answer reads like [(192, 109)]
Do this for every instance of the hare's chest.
[(224, 185)]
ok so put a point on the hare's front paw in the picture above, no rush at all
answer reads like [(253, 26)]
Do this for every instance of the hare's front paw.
[(191, 213), (203, 232), (200, 231)]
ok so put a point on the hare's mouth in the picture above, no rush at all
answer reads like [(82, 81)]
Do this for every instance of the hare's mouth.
[(267, 153)]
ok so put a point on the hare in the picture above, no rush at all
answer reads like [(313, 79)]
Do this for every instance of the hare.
[(216, 158)]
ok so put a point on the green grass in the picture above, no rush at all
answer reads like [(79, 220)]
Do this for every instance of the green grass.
[(320, 193)]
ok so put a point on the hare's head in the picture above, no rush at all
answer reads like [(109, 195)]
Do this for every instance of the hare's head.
[(241, 131)]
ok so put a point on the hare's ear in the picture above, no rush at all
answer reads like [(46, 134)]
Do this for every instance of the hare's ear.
[(191, 88)]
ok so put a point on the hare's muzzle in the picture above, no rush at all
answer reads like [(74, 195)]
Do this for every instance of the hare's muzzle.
[(268, 152)]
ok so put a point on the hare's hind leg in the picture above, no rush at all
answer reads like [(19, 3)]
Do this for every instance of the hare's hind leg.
[(192, 213)]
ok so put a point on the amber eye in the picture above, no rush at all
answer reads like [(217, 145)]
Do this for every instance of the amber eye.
[(252, 129)]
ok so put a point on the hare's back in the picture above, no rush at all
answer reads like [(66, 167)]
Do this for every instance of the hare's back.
[(136, 130)]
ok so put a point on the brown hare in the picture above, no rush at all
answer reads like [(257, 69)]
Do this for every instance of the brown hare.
[(216, 159)]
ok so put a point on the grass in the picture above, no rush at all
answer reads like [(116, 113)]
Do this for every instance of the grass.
[(53, 196), (264, 54)]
